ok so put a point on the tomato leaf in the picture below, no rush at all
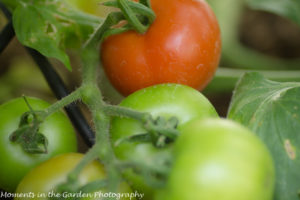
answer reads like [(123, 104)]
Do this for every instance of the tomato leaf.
[(272, 110), (51, 27), (286, 8)]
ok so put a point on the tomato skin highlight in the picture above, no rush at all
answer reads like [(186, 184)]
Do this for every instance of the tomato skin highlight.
[(43, 178), (182, 45), (219, 159), (15, 162), (165, 100)]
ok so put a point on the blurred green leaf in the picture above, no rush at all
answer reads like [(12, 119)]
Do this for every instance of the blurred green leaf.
[(272, 110), (51, 27), (225, 79), (10, 4), (285, 8)]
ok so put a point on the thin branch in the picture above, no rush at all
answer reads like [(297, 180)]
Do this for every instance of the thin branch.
[(60, 90)]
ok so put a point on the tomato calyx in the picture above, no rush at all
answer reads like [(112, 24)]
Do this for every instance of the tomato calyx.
[(139, 16), (160, 132), (28, 134), (155, 172)]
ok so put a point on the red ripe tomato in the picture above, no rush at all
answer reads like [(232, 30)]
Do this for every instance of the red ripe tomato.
[(182, 45)]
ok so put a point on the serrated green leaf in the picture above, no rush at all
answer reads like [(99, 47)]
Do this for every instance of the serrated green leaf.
[(272, 110), (285, 8), (51, 27)]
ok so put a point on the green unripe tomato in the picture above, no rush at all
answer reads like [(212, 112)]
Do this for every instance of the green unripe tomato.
[(165, 100), (43, 179), (219, 159), (15, 162)]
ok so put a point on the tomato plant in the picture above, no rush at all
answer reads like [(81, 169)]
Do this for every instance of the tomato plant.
[(182, 46), (164, 100), (15, 162), (43, 179), (217, 158), (157, 138)]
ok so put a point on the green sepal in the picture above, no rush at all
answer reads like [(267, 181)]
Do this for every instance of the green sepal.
[(114, 31), (146, 3), (160, 132), (140, 138), (28, 135), (141, 8)]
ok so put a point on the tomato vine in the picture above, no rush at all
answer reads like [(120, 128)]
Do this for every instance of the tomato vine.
[(91, 95)]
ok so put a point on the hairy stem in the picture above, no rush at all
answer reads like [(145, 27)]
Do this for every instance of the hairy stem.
[(103, 143), (91, 155), (74, 96), (125, 112), (91, 95)]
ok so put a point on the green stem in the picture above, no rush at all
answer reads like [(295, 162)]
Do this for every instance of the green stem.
[(143, 8), (120, 111), (155, 174), (90, 51), (92, 97), (95, 40), (169, 132), (72, 184), (74, 96), (131, 17), (90, 60), (91, 155), (159, 129), (226, 78), (103, 143), (130, 10), (106, 152)]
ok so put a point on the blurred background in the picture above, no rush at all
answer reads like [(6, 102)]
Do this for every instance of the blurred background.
[(256, 35)]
